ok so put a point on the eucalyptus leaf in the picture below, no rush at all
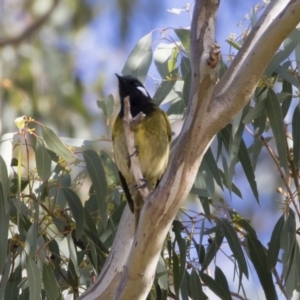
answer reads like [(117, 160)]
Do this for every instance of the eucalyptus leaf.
[(96, 171), (56, 145), (296, 135), (259, 259), (139, 60), (43, 160), (76, 209), (276, 121), (34, 279), (50, 283), (274, 245)]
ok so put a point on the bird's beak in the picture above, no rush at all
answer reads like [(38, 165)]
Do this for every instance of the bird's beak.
[(119, 77)]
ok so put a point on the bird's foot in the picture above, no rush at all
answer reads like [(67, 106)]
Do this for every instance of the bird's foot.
[(136, 152), (143, 184)]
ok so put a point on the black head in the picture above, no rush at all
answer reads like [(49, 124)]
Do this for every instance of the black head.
[(140, 100)]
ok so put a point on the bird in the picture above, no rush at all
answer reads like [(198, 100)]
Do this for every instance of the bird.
[(152, 138)]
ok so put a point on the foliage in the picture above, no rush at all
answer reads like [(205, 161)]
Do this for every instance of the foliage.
[(61, 205)]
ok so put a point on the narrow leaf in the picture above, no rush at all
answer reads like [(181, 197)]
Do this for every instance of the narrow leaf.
[(163, 91), (286, 88), (235, 246), (248, 169), (73, 253), (296, 135), (276, 122), (56, 145), (43, 160), (139, 60), (50, 283), (4, 225), (184, 37), (34, 279), (215, 287), (97, 174), (259, 259), (213, 248), (222, 281), (213, 167), (274, 245), (76, 209), (4, 185), (196, 286)]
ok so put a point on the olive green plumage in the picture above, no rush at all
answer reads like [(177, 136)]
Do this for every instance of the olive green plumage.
[(152, 137)]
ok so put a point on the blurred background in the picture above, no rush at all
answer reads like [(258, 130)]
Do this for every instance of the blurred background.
[(57, 58)]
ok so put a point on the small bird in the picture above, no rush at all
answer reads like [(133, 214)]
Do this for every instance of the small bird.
[(152, 138)]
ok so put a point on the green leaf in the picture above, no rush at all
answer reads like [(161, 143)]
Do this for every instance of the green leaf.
[(205, 205), (215, 287), (106, 105), (163, 91), (139, 59), (258, 110), (286, 75), (73, 253), (213, 248), (235, 246), (34, 279), (233, 44), (276, 122), (50, 283), (259, 260), (177, 229), (286, 88), (57, 146), (233, 187), (248, 169), (31, 239), (12, 289), (96, 171), (184, 37), (296, 135), (196, 286), (76, 209), (4, 226), (5, 273), (274, 245), (280, 56), (4, 189), (211, 163), (222, 281), (43, 160), (172, 62), (239, 220), (161, 268), (161, 57)]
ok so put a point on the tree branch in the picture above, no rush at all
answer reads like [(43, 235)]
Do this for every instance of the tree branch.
[(211, 107), (29, 30), (128, 124)]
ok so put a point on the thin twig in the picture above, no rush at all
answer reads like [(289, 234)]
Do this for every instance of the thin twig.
[(129, 123)]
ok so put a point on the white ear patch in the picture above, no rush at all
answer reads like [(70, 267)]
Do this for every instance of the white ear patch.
[(143, 90)]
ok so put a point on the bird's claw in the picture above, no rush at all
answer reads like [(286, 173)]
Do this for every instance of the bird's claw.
[(136, 152), (143, 185)]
